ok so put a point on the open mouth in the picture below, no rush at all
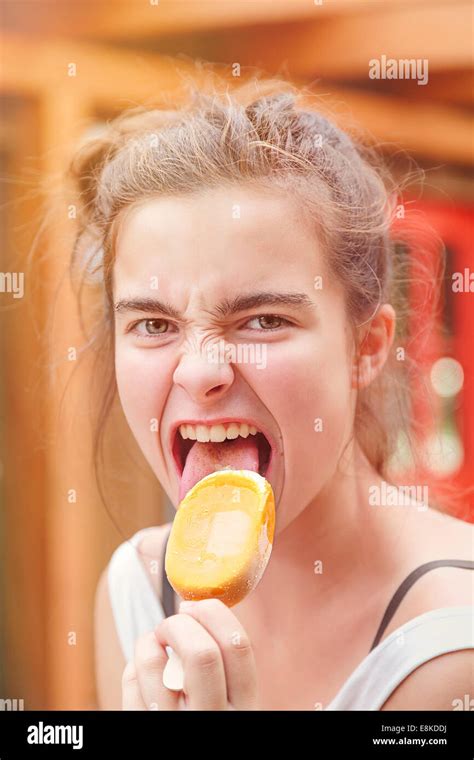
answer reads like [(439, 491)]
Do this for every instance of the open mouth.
[(199, 450)]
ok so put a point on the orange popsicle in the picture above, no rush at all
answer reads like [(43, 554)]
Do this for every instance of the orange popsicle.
[(220, 543)]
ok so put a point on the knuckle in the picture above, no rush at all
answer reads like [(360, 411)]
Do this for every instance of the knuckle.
[(239, 644), (147, 654), (205, 659), (148, 661), (163, 629), (164, 624)]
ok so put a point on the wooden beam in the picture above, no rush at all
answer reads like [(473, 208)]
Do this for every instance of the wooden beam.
[(341, 46), (80, 534), (335, 39), (117, 79), (105, 74), (71, 499), (429, 130), (59, 541), (135, 18), (23, 560), (454, 87), (141, 19)]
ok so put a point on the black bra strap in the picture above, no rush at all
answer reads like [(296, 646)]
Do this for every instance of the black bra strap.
[(167, 591), (406, 585)]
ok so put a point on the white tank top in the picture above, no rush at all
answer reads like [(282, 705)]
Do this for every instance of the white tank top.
[(137, 610)]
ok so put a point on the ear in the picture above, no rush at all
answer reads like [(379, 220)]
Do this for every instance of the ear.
[(374, 342)]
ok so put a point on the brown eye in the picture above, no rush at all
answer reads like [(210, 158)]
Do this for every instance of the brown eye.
[(270, 321), (267, 322), (148, 328), (155, 326)]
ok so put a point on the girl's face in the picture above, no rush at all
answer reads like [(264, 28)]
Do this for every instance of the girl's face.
[(225, 312)]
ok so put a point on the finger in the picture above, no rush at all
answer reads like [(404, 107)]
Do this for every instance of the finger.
[(235, 648), (150, 661), (204, 675), (131, 695)]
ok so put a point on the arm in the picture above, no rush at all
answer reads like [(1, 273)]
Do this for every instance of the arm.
[(436, 684), (109, 660)]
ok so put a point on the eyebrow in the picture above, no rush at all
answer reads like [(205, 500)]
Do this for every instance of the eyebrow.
[(225, 308)]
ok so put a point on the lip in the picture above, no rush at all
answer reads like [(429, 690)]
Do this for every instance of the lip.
[(222, 421)]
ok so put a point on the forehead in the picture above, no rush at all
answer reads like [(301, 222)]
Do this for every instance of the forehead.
[(230, 234)]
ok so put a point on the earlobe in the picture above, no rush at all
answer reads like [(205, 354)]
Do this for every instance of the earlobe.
[(361, 372)]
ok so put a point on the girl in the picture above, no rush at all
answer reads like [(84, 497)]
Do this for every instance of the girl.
[(250, 220)]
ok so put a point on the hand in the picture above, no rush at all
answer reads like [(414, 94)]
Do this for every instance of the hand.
[(217, 658)]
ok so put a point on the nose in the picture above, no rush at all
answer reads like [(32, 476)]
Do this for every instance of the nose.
[(204, 380)]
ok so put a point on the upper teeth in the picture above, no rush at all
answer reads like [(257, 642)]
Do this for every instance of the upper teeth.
[(216, 433)]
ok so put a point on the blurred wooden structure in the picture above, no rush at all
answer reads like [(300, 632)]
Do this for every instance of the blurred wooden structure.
[(124, 53)]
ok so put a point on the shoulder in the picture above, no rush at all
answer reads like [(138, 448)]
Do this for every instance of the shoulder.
[(440, 530), (108, 654), (108, 649), (452, 531), (442, 683), (444, 537), (425, 537), (150, 550), (433, 536), (147, 545), (152, 539), (449, 538)]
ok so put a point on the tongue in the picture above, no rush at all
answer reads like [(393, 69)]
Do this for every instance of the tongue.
[(204, 458)]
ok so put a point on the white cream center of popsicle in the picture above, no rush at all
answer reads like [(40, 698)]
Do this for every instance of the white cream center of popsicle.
[(229, 533)]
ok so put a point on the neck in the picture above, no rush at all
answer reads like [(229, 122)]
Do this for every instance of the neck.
[(335, 543)]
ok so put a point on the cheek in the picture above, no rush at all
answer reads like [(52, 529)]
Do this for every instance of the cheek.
[(141, 383), (306, 386), (304, 379)]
